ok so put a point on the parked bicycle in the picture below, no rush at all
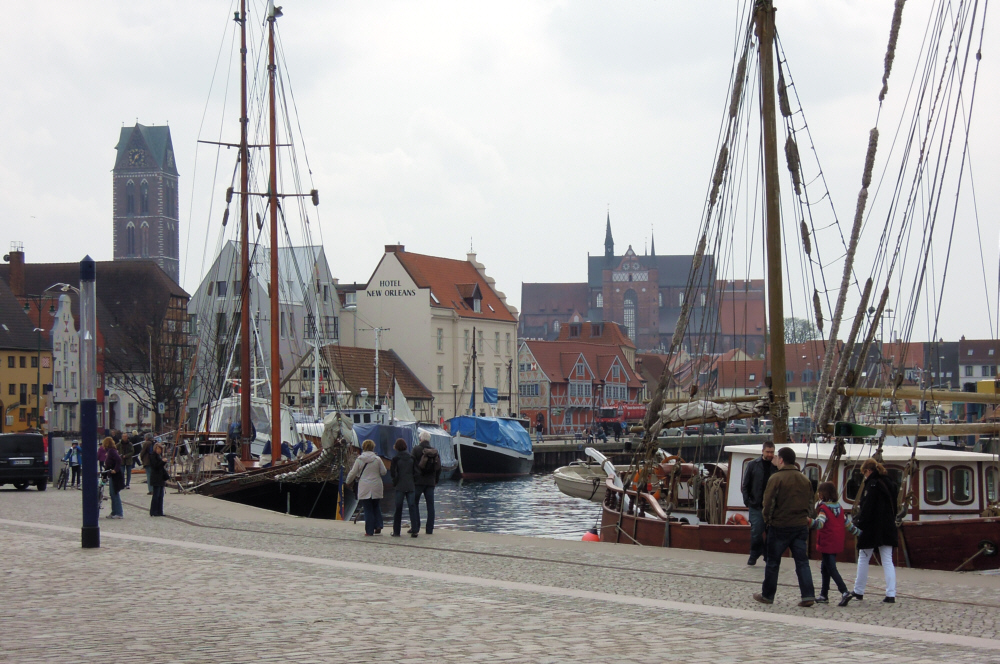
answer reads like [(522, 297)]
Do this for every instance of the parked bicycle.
[(63, 480)]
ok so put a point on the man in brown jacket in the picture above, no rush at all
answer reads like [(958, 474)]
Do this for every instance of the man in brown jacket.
[(788, 511)]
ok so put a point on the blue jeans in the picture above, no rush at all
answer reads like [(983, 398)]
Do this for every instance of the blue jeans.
[(156, 502), (828, 570), (128, 474), (428, 493), (795, 538), (397, 517), (373, 515), (116, 499), (757, 529), (149, 487)]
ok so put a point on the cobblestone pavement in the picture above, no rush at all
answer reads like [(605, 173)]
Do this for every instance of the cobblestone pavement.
[(222, 582)]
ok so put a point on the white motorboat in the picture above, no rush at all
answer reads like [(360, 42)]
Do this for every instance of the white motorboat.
[(587, 479)]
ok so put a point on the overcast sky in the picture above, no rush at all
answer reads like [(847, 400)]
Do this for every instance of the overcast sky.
[(511, 126)]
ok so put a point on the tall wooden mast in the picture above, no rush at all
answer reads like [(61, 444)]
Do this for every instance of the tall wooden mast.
[(764, 19), (272, 192), (244, 294)]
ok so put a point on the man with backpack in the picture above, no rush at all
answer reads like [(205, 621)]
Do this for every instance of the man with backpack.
[(426, 470)]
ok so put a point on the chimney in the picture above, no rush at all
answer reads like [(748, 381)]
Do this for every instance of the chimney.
[(394, 249), (16, 260)]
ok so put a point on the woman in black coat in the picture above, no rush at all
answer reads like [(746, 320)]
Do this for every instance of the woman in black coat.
[(401, 473), (158, 477), (876, 521)]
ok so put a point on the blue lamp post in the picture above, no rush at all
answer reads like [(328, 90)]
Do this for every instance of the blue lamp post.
[(91, 532)]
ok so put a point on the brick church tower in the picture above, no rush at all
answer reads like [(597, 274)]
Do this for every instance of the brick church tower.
[(145, 198)]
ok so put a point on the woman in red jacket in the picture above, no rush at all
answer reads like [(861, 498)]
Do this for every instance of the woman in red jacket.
[(830, 539)]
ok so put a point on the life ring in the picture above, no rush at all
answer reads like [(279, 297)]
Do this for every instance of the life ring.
[(737, 520)]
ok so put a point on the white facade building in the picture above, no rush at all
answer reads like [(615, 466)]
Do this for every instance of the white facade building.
[(431, 311)]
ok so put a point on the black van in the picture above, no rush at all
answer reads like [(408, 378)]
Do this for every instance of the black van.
[(24, 460)]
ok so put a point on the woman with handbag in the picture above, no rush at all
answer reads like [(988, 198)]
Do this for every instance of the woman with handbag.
[(368, 470), (158, 477)]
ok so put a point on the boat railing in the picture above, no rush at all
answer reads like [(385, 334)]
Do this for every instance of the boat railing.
[(641, 500)]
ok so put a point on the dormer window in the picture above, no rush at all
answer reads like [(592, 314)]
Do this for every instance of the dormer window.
[(596, 329), (579, 370), (471, 296), (574, 330)]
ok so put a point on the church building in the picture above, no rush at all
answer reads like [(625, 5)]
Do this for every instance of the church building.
[(644, 294), (145, 199)]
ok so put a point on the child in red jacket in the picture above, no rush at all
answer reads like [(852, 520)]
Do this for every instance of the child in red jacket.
[(830, 524)]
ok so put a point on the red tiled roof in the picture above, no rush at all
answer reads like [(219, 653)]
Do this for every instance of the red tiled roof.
[(356, 368), (609, 334), (736, 374), (980, 351), (906, 355), (447, 278), (558, 358)]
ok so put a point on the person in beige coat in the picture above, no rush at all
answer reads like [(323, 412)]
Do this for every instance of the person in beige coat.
[(368, 470)]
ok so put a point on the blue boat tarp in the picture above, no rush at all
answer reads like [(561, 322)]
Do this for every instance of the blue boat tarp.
[(441, 441), (385, 435), (493, 431)]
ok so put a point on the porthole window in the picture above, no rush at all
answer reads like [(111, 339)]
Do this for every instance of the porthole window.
[(961, 485), (934, 485)]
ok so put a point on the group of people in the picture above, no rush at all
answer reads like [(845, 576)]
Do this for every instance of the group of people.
[(413, 475), (116, 458), (783, 510)]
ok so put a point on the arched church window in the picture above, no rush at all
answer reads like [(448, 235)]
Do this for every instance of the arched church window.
[(130, 198), (144, 197), (631, 304), (144, 240), (599, 301), (130, 240)]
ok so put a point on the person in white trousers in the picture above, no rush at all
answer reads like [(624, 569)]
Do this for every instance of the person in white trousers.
[(875, 528)]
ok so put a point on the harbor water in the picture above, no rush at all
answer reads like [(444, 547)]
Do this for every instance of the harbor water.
[(530, 505)]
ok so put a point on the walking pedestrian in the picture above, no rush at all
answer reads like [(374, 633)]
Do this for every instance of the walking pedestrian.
[(830, 526), (368, 469), (147, 444), (158, 479), (74, 456), (876, 526), (401, 472), (426, 472), (127, 454), (116, 479), (755, 478), (788, 502)]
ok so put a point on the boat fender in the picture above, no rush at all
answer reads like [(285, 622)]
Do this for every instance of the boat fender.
[(737, 520), (591, 536)]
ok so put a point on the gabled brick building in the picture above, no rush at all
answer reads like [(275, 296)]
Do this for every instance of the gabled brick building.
[(562, 382)]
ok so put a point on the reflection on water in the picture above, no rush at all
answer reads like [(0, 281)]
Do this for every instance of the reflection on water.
[(531, 505)]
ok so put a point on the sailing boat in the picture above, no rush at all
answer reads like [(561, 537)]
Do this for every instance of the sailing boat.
[(490, 447), (243, 418), (666, 502)]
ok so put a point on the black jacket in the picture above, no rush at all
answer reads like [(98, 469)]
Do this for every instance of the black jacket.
[(432, 468), (755, 478), (158, 475), (877, 513), (401, 472)]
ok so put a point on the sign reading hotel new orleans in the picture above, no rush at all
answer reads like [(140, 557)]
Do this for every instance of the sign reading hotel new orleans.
[(390, 288)]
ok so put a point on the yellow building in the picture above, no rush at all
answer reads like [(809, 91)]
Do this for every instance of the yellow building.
[(24, 369)]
